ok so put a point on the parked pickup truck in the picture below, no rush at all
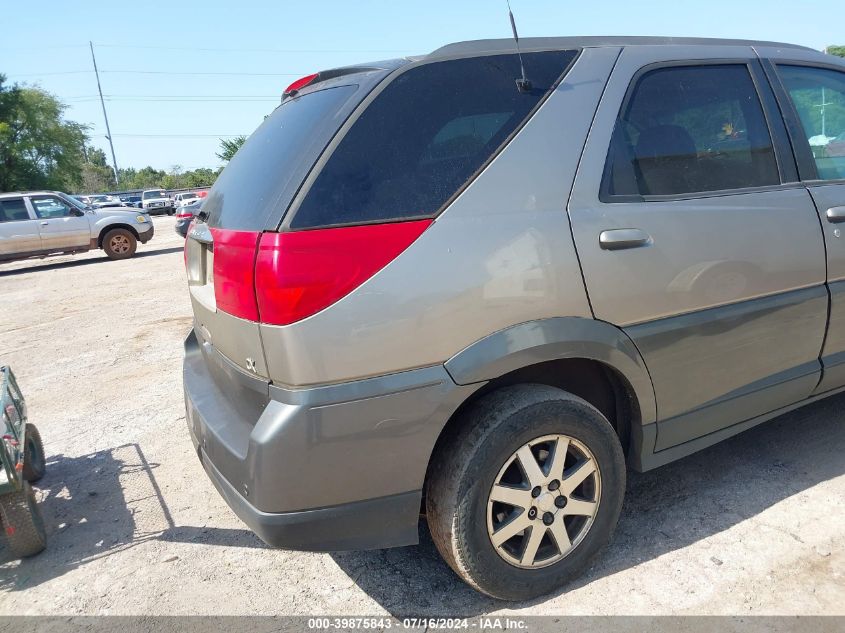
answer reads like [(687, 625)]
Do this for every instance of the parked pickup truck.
[(42, 223), (157, 201)]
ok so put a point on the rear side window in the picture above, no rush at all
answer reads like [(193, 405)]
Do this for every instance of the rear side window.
[(13, 210), (424, 137), (818, 95), (690, 129)]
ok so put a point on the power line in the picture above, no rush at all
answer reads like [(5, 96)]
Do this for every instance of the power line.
[(108, 96), (179, 135), (211, 50), (253, 50), (176, 100), (63, 72), (171, 72)]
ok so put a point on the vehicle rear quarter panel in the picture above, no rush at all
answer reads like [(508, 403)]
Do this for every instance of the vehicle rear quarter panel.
[(501, 254)]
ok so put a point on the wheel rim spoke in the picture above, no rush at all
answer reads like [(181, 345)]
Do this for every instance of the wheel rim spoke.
[(533, 544), (530, 466), (561, 536), (577, 475), (579, 507), (517, 497), (511, 529), (558, 458)]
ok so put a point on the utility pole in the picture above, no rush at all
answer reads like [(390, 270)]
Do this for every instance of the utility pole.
[(105, 116), (822, 106)]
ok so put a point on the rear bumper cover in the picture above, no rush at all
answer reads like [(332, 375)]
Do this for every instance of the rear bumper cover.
[(327, 468), (371, 524)]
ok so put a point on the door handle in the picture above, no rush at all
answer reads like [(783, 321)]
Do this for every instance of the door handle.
[(836, 214), (617, 239), (45, 224)]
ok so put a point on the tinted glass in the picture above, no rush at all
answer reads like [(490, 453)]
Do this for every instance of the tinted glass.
[(424, 136), (688, 129), (13, 210), (819, 97), (266, 172)]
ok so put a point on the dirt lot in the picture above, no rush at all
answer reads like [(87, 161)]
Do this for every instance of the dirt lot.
[(752, 526)]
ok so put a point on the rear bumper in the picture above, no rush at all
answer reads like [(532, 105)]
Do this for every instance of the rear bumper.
[(372, 524), (327, 468)]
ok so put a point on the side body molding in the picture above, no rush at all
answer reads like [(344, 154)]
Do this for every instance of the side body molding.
[(553, 339)]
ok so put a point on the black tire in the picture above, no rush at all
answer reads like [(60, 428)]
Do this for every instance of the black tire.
[(467, 461), (120, 244), (23, 526), (34, 460)]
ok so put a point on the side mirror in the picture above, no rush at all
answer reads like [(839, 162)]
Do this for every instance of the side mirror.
[(77, 213)]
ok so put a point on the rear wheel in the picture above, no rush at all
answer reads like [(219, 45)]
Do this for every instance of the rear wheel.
[(119, 244), (525, 491), (23, 526), (34, 460)]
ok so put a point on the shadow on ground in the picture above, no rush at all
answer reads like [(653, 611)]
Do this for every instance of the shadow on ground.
[(99, 505), (116, 494), (665, 510), (83, 262)]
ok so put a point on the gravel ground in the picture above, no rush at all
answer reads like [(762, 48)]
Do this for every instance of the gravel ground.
[(751, 526)]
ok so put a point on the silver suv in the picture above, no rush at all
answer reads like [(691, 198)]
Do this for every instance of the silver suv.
[(423, 286), (42, 223)]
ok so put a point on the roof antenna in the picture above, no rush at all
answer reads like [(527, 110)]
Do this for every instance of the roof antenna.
[(523, 84)]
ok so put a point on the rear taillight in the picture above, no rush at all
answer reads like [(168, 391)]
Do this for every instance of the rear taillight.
[(234, 272), (281, 278), (298, 274), (184, 215)]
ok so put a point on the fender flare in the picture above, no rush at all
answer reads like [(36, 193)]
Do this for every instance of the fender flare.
[(556, 338)]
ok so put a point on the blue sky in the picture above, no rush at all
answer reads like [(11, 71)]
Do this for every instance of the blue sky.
[(163, 119)]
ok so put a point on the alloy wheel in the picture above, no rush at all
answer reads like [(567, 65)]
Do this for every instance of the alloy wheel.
[(543, 501)]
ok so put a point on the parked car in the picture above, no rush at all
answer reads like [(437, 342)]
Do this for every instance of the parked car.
[(181, 199), (102, 201), (156, 201), (42, 223), (482, 316), (185, 215), (22, 461), (132, 200)]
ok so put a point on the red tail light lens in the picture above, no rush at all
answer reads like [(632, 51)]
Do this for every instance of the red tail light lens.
[(234, 272), (300, 273), (184, 215)]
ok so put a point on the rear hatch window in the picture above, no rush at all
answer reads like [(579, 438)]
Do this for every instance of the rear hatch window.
[(424, 137)]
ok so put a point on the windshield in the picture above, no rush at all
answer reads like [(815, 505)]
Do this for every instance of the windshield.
[(153, 194), (73, 201), (265, 174)]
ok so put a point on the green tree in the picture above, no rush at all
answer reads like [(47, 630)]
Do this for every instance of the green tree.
[(230, 146), (839, 51), (97, 176), (38, 147), (201, 177)]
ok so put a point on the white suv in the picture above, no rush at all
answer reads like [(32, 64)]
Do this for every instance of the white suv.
[(157, 201)]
